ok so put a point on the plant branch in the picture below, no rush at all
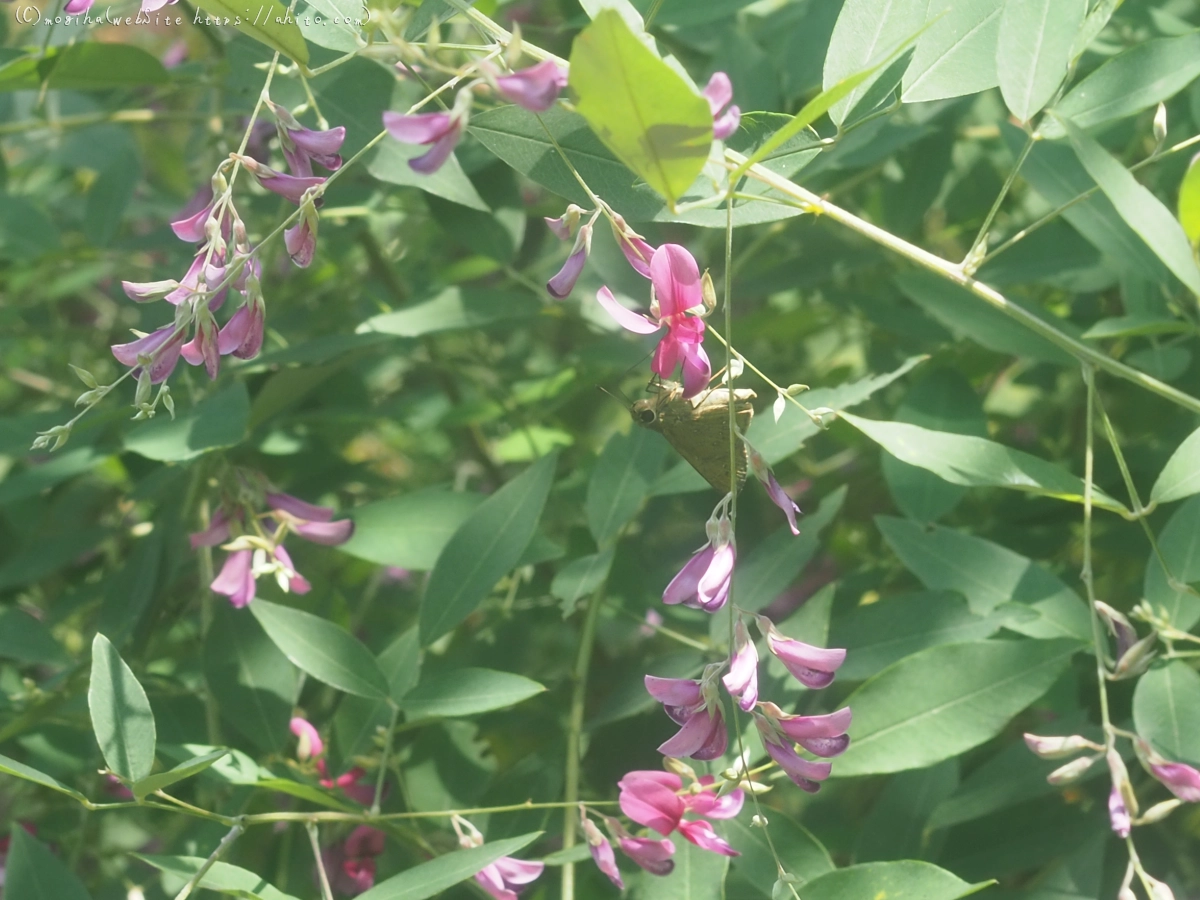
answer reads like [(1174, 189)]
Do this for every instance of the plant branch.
[(194, 881)]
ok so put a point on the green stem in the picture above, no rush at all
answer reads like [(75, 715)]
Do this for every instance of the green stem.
[(981, 237), (234, 833), (383, 760), (583, 660), (314, 838), (1098, 641)]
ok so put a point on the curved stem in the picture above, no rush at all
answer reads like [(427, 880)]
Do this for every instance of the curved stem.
[(234, 833)]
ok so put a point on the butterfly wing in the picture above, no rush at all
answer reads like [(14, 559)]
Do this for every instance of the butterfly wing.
[(699, 430)]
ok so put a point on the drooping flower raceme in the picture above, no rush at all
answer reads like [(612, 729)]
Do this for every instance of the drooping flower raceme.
[(704, 581), (506, 876), (677, 299), (695, 706)]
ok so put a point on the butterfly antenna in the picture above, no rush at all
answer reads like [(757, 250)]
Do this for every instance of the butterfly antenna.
[(617, 396)]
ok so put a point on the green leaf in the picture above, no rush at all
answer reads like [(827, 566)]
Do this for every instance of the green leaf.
[(1135, 79), (943, 701), (641, 108), (1144, 212), (800, 852), (24, 638), (957, 54), (96, 66), (151, 783), (777, 441), (1134, 326), (20, 770), (222, 878), (907, 879), (450, 182), (890, 629), (1180, 477), (965, 314), (896, 828), (698, 875), (34, 873), (328, 653), (579, 578), (272, 25), (467, 692), (867, 33), (484, 549), (454, 309), (338, 28), (121, 715), (989, 576), (977, 462), (433, 877), (1034, 51), (620, 481), (219, 420), (1189, 202), (359, 719), (943, 400), (409, 530), (56, 470), (1179, 542), (251, 680), (1166, 711)]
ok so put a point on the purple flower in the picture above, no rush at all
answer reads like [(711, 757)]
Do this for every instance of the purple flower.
[(309, 744), (651, 799), (637, 252), (302, 146), (236, 580), (202, 348), (313, 523), (652, 854), (804, 774), (535, 88), (742, 679), (1122, 803), (440, 131), (1181, 780), (602, 851), (301, 240), (719, 94), (290, 187), (813, 667), (242, 335), (162, 347), (778, 496), (1059, 747), (823, 736), (1118, 815), (216, 533), (702, 835), (561, 285), (677, 289), (566, 224), (190, 224), (505, 875), (703, 582), (703, 733)]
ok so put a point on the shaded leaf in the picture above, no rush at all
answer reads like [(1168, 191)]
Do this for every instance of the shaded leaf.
[(580, 577), (121, 715), (1180, 477), (272, 25), (867, 33), (1179, 542), (467, 692), (409, 530), (32, 872), (1034, 51), (433, 877), (152, 783), (904, 880), (223, 878), (453, 310), (219, 420), (27, 773), (1166, 711), (621, 479), (800, 852)]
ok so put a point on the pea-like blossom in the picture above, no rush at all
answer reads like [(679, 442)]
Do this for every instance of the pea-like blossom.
[(350, 865), (742, 678), (159, 351), (506, 876), (308, 740), (1059, 747), (311, 522), (301, 239), (705, 579), (1122, 803), (303, 146), (775, 491), (658, 801), (535, 88), (242, 335), (563, 282), (813, 667), (805, 774), (694, 706), (823, 736), (290, 187), (565, 226), (601, 850), (637, 252), (190, 224), (1180, 779), (354, 783), (652, 854), (677, 292), (440, 131), (726, 115), (202, 349)]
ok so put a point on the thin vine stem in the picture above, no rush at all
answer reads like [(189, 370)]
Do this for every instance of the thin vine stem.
[(233, 834), (1087, 575), (981, 237), (314, 838)]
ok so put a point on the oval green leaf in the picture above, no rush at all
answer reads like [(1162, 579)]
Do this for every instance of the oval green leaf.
[(272, 25), (627, 467), (1180, 477), (907, 879), (328, 653), (867, 34), (410, 530), (222, 878), (485, 548), (34, 873), (152, 783), (945, 700), (121, 715), (1179, 542), (641, 108), (1166, 711), (20, 770), (1034, 51), (467, 692), (957, 55)]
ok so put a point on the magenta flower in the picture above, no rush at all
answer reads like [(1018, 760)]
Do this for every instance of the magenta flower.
[(719, 94), (242, 335), (704, 581), (190, 224), (216, 533), (813, 667), (202, 348), (702, 835), (778, 496), (161, 348), (637, 252), (354, 783), (565, 225), (677, 289), (191, 283), (502, 878), (702, 735), (535, 88), (236, 578), (301, 240), (742, 679), (651, 854), (75, 7), (439, 131), (804, 774), (311, 522), (561, 285), (309, 744), (1122, 803), (290, 187), (285, 572), (649, 798), (823, 736), (1118, 814), (652, 799), (601, 849), (351, 866), (302, 146), (1180, 779)]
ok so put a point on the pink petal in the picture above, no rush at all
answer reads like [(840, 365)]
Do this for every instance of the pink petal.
[(535, 88), (235, 579), (606, 860), (831, 725), (424, 128), (301, 509), (702, 835), (638, 253), (694, 736), (714, 584), (697, 370), (331, 534), (652, 855), (652, 805), (311, 745), (563, 282), (727, 124), (188, 225), (718, 92), (518, 871), (803, 773), (430, 162), (684, 585), (216, 533), (673, 692), (676, 280), (301, 243), (780, 498), (1181, 780), (489, 878), (626, 318)]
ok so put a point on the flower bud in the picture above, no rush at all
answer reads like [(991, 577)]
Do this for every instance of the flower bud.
[(758, 821), (708, 292), (1072, 771), (1160, 126), (1058, 747), (1159, 811), (1137, 658)]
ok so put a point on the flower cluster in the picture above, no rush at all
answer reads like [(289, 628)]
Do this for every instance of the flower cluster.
[(254, 538), (350, 865), (696, 706), (503, 878), (309, 747)]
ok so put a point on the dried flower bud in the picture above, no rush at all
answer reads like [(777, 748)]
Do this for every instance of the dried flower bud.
[(708, 292)]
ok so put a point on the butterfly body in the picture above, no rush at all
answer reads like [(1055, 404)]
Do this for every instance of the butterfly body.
[(698, 428)]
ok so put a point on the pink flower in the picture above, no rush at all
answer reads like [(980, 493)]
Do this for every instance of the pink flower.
[(202, 348), (1181, 780), (535, 88), (440, 131), (242, 335), (190, 224), (505, 875), (803, 773), (1059, 747), (561, 285), (778, 495), (353, 783), (719, 94), (1121, 798), (601, 849), (704, 581), (742, 679), (351, 866), (290, 187), (652, 855), (565, 225), (285, 573), (364, 841), (813, 667), (142, 291), (677, 289), (1118, 814), (637, 252), (216, 533), (236, 580), (75, 7), (311, 522), (302, 146), (820, 735), (162, 347), (310, 745), (702, 835), (651, 799), (301, 240), (703, 733)]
